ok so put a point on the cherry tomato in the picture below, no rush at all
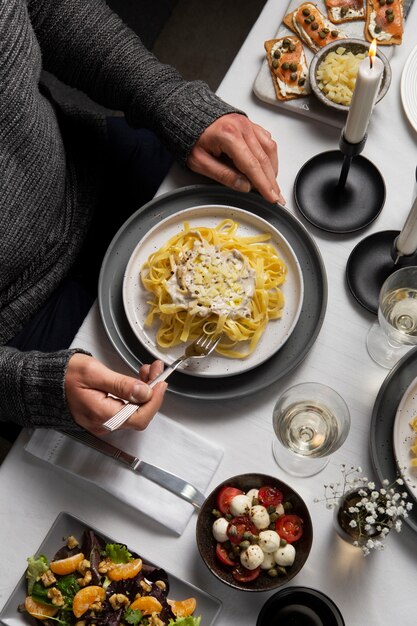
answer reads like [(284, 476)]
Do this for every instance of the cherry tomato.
[(243, 575), (270, 496), (225, 496), (238, 526), (289, 527), (223, 555)]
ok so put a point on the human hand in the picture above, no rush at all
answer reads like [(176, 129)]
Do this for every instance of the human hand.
[(88, 383), (239, 154)]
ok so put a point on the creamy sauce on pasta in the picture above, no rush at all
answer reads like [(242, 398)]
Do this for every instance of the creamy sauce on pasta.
[(207, 280)]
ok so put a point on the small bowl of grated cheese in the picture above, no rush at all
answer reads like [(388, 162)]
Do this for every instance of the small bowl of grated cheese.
[(334, 69)]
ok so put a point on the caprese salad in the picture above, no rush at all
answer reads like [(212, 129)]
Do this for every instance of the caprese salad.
[(255, 532), (94, 583)]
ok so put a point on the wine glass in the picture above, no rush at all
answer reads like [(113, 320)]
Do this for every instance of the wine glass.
[(396, 330), (311, 421)]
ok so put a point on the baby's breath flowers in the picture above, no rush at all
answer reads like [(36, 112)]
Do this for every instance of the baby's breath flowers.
[(367, 514)]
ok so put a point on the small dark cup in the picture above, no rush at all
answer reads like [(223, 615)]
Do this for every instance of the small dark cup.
[(302, 606), (207, 544)]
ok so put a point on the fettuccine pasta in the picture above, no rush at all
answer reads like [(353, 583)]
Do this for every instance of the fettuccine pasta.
[(211, 279)]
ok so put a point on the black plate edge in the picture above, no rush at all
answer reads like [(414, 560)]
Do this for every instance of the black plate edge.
[(382, 422)]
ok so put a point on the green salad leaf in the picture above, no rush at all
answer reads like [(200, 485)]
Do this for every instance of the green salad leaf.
[(36, 567), (68, 586), (185, 621), (40, 593), (132, 616), (118, 553)]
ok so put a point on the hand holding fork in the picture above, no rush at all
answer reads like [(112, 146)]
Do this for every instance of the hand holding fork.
[(198, 349)]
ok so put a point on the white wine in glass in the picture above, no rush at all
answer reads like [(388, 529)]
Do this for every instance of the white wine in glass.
[(310, 422), (395, 333)]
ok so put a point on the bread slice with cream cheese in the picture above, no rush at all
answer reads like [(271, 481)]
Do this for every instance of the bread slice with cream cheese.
[(313, 28), (384, 22), (288, 65)]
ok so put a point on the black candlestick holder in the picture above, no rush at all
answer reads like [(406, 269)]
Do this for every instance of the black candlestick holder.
[(340, 191), (370, 263)]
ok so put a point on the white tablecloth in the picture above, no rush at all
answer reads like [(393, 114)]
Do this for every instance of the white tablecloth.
[(378, 589)]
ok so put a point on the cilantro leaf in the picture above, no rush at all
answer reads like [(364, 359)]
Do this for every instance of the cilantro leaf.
[(132, 616), (36, 567), (68, 586), (118, 553)]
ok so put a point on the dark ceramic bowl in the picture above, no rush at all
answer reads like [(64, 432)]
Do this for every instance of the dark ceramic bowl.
[(207, 544), (355, 46), (300, 605)]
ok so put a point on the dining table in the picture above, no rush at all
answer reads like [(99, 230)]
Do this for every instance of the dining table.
[(374, 589)]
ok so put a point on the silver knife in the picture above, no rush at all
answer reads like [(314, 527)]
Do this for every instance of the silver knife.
[(165, 479)]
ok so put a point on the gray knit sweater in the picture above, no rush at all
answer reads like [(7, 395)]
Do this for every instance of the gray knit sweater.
[(48, 164)]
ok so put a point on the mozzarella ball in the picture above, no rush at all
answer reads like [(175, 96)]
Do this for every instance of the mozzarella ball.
[(240, 505), (259, 516), (285, 556), (252, 494), (252, 557), (280, 509), (268, 562), (219, 529), (269, 541)]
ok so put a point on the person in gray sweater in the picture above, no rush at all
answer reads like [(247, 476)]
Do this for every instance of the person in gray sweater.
[(52, 177)]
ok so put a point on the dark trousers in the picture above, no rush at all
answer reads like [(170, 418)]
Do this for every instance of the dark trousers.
[(135, 167)]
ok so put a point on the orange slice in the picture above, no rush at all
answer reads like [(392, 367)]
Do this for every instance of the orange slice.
[(120, 571), (85, 597), (68, 565), (146, 605), (39, 610), (183, 608)]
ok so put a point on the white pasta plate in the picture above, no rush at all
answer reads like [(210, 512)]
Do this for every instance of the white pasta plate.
[(409, 88), (403, 435), (136, 297)]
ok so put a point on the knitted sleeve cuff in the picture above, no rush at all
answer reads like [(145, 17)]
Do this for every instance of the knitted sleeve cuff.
[(35, 395), (185, 115)]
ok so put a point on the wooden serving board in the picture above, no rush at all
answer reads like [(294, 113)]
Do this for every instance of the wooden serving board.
[(309, 105)]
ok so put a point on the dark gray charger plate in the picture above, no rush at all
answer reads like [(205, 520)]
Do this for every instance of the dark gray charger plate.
[(282, 362), (382, 423)]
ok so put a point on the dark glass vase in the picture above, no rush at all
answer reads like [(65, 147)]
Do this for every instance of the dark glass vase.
[(355, 535)]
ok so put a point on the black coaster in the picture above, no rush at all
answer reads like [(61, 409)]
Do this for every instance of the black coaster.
[(356, 205), (370, 263)]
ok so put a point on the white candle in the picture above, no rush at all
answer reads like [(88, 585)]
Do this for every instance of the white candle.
[(406, 242), (363, 99)]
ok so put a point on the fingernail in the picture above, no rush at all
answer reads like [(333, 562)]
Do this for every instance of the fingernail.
[(241, 184), (278, 197), (160, 367), (140, 393)]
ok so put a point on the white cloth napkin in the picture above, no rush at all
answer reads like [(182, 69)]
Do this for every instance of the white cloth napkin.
[(164, 443)]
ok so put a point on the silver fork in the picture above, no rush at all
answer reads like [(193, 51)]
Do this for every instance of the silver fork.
[(198, 349)]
